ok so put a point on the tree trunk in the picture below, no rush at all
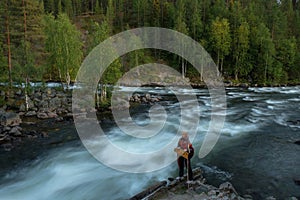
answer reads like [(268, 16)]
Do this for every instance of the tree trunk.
[(201, 71), (266, 67), (8, 45), (218, 60), (236, 68), (294, 4), (25, 19), (221, 67), (26, 95), (138, 12), (68, 79), (25, 33), (97, 99), (182, 68), (103, 93), (60, 77)]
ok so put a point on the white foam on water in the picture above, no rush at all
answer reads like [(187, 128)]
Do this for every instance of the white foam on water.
[(72, 174), (252, 98), (234, 129), (271, 101), (294, 99)]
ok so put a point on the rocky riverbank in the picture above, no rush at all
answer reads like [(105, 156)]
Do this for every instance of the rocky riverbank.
[(174, 189), (18, 110)]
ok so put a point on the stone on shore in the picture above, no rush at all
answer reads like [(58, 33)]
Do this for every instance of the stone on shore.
[(10, 119), (16, 131), (30, 114)]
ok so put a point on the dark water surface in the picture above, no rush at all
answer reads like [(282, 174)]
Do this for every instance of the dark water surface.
[(256, 151)]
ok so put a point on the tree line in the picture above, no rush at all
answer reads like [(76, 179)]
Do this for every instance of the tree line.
[(254, 41)]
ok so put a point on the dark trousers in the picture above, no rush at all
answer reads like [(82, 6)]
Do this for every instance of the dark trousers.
[(183, 162)]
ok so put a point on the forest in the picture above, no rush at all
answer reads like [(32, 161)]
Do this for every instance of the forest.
[(253, 41)]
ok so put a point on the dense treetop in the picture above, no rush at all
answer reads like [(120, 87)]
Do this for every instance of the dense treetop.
[(254, 41)]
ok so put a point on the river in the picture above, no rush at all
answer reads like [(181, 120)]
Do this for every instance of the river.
[(256, 151)]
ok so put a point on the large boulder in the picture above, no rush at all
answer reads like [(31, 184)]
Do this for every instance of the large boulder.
[(10, 119)]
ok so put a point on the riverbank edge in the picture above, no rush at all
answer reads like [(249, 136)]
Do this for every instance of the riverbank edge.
[(177, 189)]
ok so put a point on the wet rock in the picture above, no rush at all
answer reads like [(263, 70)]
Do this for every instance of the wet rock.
[(21, 113), (59, 119), (271, 198), (203, 196), (22, 108), (294, 122), (54, 103), (136, 97), (2, 93), (19, 92), (37, 95), (6, 129), (15, 131), (212, 193), (148, 96), (4, 137), (42, 115), (43, 104), (247, 197), (52, 114), (297, 181), (7, 146), (144, 100), (44, 134), (51, 92), (9, 119), (227, 187), (201, 189), (30, 114), (155, 99)]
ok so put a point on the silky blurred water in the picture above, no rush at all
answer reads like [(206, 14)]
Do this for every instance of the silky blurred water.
[(255, 152)]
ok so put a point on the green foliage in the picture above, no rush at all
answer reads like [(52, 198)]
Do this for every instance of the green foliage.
[(64, 46), (241, 42), (221, 39), (98, 33), (3, 66), (249, 40)]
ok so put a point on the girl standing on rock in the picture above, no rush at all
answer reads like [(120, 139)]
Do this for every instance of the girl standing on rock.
[(185, 152)]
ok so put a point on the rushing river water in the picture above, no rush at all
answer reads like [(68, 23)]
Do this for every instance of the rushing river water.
[(256, 151)]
